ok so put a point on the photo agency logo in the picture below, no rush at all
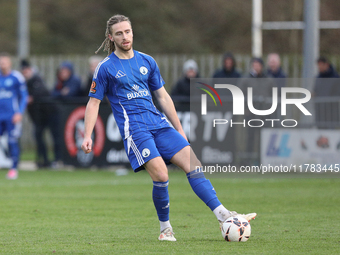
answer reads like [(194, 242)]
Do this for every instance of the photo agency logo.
[(277, 109)]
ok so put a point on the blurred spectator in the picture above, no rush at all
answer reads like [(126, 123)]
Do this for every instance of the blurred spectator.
[(181, 91), (326, 70), (262, 91), (274, 66), (13, 101), (275, 71), (93, 62), (43, 113), (256, 68), (228, 67), (68, 84), (326, 110)]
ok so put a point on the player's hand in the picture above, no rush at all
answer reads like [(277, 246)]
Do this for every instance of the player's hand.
[(87, 145), (17, 117)]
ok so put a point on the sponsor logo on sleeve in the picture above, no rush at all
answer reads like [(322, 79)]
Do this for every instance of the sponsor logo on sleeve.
[(93, 87)]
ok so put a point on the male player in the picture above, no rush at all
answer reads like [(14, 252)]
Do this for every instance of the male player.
[(13, 100), (126, 76)]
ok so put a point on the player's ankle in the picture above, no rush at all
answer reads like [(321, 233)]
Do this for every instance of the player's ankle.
[(165, 225)]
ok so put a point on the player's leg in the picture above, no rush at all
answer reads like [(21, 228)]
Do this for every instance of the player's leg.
[(14, 133), (143, 153), (187, 160), (159, 175)]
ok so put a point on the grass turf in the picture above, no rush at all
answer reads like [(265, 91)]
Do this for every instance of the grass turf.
[(85, 212)]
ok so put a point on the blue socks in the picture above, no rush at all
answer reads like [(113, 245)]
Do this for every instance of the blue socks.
[(14, 151), (160, 197), (203, 189)]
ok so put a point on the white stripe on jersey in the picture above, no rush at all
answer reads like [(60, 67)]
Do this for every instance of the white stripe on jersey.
[(19, 76), (126, 123), (137, 153), (98, 66)]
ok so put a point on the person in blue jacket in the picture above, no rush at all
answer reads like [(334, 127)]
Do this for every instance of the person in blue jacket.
[(68, 84)]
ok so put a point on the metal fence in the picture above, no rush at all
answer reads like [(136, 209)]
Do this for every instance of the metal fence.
[(170, 65)]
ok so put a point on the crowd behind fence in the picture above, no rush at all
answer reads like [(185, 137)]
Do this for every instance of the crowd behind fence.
[(169, 65)]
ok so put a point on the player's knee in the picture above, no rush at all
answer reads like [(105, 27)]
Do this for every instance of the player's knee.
[(162, 177)]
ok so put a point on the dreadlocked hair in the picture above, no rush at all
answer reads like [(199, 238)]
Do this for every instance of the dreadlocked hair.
[(107, 44)]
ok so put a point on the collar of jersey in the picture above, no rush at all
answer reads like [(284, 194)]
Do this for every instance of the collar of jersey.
[(115, 56)]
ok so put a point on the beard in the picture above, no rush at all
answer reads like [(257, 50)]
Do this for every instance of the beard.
[(124, 48)]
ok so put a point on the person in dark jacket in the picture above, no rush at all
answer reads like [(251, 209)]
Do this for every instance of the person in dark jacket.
[(274, 70), (326, 85), (43, 113), (181, 90), (274, 66), (262, 88), (228, 69), (68, 84), (326, 70)]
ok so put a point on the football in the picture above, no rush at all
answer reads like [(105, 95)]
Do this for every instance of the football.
[(236, 229)]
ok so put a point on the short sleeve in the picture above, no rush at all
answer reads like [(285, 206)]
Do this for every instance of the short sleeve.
[(99, 83), (155, 79)]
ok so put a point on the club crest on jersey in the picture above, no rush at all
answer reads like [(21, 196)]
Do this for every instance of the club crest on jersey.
[(146, 153), (8, 82), (143, 70)]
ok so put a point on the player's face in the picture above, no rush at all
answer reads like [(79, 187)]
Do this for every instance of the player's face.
[(5, 64), (122, 35)]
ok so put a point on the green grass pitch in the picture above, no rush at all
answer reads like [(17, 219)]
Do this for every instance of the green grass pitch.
[(87, 212)]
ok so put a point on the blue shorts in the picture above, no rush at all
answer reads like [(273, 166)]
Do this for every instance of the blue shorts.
[(143, 146), (13, 130)]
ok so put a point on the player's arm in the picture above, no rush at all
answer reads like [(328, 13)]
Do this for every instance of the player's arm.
[(168, 108), (91, 114)]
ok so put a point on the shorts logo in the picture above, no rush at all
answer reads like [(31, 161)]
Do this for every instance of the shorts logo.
[(143, 70), (146, 152), (93, 87)]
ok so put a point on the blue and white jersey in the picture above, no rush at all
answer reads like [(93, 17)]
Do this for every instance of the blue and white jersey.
[(13, 94), (127, 84)]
